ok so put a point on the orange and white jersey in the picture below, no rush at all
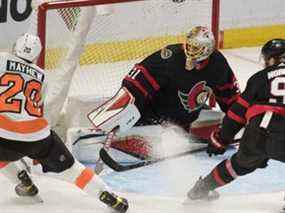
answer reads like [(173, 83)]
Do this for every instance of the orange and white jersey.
[(21, 104)]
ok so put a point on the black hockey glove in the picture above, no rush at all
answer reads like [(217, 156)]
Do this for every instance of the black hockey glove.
[(216, 145)]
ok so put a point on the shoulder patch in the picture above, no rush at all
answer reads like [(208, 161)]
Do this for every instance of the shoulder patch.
[(165, 53)]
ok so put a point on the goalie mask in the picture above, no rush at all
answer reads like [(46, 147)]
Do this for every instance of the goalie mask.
[(199, 45), (27, 47)]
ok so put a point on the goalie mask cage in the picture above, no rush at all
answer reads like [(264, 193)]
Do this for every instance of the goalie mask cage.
[(103, 39)]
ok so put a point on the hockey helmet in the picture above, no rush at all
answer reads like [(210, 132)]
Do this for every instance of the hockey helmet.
[(274, 48), (199, 44), (27, 47)]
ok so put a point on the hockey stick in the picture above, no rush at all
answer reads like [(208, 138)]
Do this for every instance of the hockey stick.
[(92, 135), (99, 163), (108, 160)]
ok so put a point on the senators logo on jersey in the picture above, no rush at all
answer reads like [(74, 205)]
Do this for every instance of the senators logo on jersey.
[(196, 97)]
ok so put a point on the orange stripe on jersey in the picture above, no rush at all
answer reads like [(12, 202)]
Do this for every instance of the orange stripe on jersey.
[(3, 164), (83, 179), (29, 126)]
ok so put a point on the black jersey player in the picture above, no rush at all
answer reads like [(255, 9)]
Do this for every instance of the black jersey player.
[(172, 84), (261, 109)]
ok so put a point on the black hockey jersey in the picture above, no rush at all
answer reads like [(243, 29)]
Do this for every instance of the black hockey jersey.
[(265, 91), (165, 90)]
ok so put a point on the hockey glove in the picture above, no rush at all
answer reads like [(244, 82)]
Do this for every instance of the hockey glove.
[(216, 145)]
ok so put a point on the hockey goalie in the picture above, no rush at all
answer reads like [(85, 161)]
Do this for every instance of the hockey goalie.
[(176, 85)]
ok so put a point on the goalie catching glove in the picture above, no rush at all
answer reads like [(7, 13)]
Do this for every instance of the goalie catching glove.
[(216, 145), (118, 113)]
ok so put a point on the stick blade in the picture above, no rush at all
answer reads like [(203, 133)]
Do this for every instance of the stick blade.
[(109, 161)]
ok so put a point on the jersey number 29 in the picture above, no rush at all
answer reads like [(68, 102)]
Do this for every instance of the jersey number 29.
[(16, 84)]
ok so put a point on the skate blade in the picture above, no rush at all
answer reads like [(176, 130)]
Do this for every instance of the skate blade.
[(32, 199), (189, 201), (36, 199), (213, 195)]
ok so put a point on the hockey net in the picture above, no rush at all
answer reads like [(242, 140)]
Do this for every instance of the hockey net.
[(100, 40)]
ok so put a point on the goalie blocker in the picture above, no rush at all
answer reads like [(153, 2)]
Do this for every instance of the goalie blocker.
[(119, 113)]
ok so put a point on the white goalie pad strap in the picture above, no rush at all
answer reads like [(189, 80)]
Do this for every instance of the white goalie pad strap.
[(120, 111)]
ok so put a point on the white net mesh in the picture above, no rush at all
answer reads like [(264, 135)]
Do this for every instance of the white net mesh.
[(119, 35)]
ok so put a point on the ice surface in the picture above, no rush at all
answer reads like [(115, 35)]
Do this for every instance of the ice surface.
[(160, 188), (60, 197)]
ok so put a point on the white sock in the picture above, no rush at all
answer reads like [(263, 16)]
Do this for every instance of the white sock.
[(84, 178)]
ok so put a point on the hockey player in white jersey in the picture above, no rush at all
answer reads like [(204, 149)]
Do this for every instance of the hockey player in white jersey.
[(25, 132)]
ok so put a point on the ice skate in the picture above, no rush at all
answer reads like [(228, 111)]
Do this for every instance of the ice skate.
[(201, 191), (27, 188), (115, 202)]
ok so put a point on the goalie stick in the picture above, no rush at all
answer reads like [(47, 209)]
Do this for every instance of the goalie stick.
[(93, 135), (108, 160), (99, 163)]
